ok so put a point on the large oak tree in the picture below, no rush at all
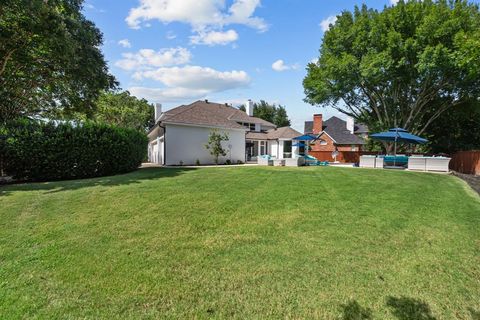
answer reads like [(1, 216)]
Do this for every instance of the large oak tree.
[(404, 66), (50, 59)]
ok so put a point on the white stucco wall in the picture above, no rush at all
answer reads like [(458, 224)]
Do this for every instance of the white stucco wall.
[(280, 149), (187, 144)]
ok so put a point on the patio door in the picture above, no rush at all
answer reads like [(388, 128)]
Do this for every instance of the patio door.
[(263, 147)]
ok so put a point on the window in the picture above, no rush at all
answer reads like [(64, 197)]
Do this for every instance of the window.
[(263, 148), (287, 149), (323, 142), (252, 126)]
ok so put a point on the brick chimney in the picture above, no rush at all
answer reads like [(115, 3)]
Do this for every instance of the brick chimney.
[(317, 123)]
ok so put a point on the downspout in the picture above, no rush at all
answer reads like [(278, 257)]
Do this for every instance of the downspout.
[(164, 144), (278, 149), (245, 147)]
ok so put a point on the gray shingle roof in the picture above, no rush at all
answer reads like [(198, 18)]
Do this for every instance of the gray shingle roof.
[(274, 134), (337, 129), (308, 127), (358, 128), (210, 114)]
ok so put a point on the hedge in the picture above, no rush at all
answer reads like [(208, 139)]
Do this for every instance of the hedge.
[(39, 151)]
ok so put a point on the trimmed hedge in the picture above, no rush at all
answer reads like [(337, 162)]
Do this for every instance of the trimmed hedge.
[(42, 151)]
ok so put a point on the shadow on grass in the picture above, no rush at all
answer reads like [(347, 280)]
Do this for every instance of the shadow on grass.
[(117, 180), (474, 314), (354, 311), (405, 308)]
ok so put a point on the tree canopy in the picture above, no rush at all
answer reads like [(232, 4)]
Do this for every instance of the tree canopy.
[(124, 110), (455, 130), (271, 113), (50, 59), (404, 66)]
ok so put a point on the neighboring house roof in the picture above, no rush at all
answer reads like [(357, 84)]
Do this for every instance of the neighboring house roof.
[(358, 128), (336, 128), (274, 134), (210, 114), (308, 127)]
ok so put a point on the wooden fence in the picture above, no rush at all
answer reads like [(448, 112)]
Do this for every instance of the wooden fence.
[(466, 162), (343, 156)]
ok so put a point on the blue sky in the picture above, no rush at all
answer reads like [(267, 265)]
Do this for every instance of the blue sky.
[(178, 51)]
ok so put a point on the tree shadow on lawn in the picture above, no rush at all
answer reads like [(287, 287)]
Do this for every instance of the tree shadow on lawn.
[(475, 314), (409, 309), (402, 308), (354, 311), (108, 181)]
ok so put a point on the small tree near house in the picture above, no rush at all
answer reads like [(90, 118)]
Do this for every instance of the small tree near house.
[(214, 144)]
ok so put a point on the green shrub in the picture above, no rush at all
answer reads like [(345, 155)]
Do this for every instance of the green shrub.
[(47, 151)]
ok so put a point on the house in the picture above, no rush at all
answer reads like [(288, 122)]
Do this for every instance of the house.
[(336, 134), (179, 135)]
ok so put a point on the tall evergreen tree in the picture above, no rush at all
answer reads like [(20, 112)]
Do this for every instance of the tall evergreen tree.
[(271, 113)]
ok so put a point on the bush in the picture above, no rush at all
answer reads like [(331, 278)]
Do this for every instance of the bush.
[(47, 151)]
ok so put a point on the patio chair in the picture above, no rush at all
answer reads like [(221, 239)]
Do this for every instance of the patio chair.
[(265, 160), (312, 161), (295, 162)]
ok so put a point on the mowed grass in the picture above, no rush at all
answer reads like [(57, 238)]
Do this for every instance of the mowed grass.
[(242, 242)]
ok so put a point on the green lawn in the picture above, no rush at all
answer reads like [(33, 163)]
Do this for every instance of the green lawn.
[(244, 242)]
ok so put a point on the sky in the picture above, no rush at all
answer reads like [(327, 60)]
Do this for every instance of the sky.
[(175, 52)]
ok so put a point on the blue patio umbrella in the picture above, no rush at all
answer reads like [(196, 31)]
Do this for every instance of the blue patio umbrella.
[(398, 135), (305, 137)]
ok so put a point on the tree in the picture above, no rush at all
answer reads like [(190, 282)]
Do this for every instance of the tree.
[(264, 110), (50, 59), (281, 118), (242, 108), (456, 129), (402, 67), (124, 110), (214, 144), (271, 113)]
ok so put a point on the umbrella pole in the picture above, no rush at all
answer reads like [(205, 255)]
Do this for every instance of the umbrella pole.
[(395, 149)]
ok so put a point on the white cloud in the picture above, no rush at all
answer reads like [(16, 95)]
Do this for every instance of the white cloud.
[(280, 65), (214, 37), (393, 2), (196, 77), (90, 6), (188, 82), (125, 43), (325, 23), (198, 13), (171, 35), (167, 94), (147, 58), (207, 18)]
